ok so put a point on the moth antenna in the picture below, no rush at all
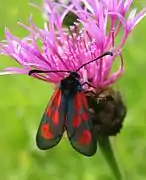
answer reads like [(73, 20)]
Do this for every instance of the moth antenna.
[(99, 57), (34, 71)]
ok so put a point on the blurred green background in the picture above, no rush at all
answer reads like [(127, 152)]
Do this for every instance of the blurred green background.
[(23, 100)]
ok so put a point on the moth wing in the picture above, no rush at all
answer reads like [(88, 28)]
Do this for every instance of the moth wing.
[(79, 125), (51, 127)]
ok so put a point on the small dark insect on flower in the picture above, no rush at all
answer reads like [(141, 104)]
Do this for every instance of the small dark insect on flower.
[(68, 110), (107, 111)]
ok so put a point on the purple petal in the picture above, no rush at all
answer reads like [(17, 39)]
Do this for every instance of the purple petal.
[(13, 70)]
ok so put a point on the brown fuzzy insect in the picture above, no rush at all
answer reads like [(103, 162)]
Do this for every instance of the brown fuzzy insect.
[(107, 111)]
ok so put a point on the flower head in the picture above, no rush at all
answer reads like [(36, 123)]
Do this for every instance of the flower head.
[(67, 48)]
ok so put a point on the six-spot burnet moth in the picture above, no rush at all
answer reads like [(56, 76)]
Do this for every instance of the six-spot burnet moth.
[(68, 110)]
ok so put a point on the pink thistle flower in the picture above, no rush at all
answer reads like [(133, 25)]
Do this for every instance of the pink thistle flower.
[(95, 32)]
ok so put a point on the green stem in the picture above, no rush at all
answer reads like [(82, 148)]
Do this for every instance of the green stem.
[(108, 153)]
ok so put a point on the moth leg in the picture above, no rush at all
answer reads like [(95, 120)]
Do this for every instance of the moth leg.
[(99, 98), (89, 84), (86, 92)]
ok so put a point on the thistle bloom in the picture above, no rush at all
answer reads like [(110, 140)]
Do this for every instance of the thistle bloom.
[(67, 48)]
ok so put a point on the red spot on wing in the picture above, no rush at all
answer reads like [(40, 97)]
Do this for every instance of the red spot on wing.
[(57, 99), (53, 96), (84, 116), (83, 99), (55, 117), (85, 137), (76, 121), (78, 118), (52, 108), (48, 112), (46, 132), (78, 103)]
